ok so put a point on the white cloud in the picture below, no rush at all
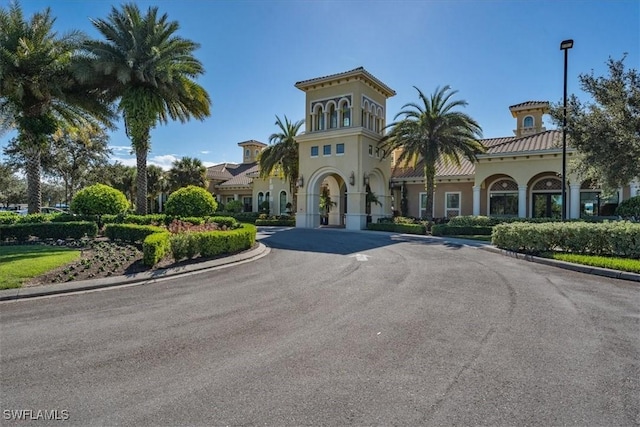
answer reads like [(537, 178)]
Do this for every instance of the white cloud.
[(120, 148), (205, 152)]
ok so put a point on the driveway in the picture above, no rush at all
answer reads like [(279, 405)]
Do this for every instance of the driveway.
[(334, 328)]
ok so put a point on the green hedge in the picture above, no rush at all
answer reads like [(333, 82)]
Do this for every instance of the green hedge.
[(398, 228), (48, 230), (620, 238), (453, 230), (212, 243), (151, 219), (154, 247), (131, 233), (8, 217), (277, 222), (247, 217), (225, 221)]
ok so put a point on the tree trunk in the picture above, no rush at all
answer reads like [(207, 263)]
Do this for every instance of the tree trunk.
[(429, 177), (34, 186), (141, 181)]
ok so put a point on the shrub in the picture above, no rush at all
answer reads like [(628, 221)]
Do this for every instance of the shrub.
[(398, 228), (130, 232), (285, 222), (225, 221), (191, 201), (154, 247), (124, 218), (234, 206), (7, 217), (48, 230), (99, 199), (620, 238), (247, 217), (629, 208), (212, 243), (453, 230)]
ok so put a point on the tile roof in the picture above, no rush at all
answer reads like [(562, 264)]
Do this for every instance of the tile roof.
[(547, 140), (543, 141), (252, 142), (529, 104), (221, 171), (360, 70), (241, 179)]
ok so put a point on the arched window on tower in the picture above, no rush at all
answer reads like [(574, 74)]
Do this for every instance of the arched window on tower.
[(528, 122), (333, 116), (345, 110)]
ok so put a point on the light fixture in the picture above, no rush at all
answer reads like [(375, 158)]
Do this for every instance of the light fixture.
[(300, 182), (565, 45), (352, 178), (366, 179)]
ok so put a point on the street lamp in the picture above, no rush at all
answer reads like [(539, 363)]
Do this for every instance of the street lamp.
[(565, 45)]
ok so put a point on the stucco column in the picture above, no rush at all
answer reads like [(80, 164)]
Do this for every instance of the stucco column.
[(522, 201), (476, 200), (574, 200), (235, 196), (356, 216)]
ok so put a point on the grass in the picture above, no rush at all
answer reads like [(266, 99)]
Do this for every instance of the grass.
[(20, 263), (623, 264)]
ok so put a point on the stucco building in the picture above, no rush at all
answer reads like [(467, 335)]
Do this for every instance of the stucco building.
[(345, 117)]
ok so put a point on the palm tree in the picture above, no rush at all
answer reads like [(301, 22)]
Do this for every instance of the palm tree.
[(187, 171), (151, 71), (38, 88), (282, 155), (155, 184), (431, 131)]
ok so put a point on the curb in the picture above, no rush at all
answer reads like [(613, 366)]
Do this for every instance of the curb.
[(587, 269), (133, 279)]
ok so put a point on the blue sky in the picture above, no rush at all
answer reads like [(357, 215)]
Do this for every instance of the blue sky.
[(495, 53)]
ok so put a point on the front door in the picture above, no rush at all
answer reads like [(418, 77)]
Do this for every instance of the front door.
[(547, 205)]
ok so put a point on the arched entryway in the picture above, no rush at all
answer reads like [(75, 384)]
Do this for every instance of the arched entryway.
[(325, 199), (546, 197)]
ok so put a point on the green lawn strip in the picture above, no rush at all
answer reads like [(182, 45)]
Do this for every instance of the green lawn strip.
[(473, 237), (19, 263), (623, 264)]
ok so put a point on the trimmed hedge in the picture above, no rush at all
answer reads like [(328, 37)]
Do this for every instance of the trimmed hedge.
[(48, 230), (247, 217), (629, 208), (398, 228), (154, 247), (620, 238), (151, 219), (99, 199), (274, 222), (131, 233), (191, 201), (212, 243), (225, 221), (453, 230), (8, 217)]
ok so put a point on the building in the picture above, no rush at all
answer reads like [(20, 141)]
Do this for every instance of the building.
[(345, 117)]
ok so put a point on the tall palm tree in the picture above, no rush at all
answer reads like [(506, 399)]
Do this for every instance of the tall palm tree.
[(155, 184), (38, 88), (187, 171), (282, 155), (151, 71), (431, 130)]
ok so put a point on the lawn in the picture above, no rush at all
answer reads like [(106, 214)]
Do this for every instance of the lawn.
[(20, 263), (623, 264)]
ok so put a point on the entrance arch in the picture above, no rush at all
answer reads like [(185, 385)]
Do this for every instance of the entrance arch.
[(330, 182)]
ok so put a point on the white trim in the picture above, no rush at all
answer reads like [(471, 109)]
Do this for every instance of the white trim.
[(420, 208)]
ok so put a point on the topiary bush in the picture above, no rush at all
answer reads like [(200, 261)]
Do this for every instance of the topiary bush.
[(629, 208), (154, 247), (191, 201), (99, 199)]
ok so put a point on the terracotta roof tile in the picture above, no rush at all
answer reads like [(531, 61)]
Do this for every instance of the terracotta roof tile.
[(529, 104), (241, 179), (442, 169), (548, 140)]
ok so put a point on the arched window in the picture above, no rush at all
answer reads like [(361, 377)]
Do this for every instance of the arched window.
[(528, 122), (260, 200), (319, 119), (257, 152), (346, 114), (333, 117), (283, 202), (247, 152), (503, 198)]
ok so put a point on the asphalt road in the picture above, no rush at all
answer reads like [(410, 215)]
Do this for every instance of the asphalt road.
[(334, 328)]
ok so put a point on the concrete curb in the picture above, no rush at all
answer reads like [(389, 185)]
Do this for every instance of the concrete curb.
[(133, 279), (598, 271)]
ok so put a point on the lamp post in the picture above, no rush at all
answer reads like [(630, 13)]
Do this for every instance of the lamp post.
[(565, 45)]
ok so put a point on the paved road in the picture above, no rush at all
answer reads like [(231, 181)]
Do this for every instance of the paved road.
[(335, 328)]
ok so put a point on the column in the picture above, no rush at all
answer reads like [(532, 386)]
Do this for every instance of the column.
[(235, 196), (522, 201), (635, 188), (574, 200), (476, 200)]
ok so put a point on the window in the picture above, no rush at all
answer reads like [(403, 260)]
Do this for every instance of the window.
[(326, 150), (346, 115), (503, 198), (314, 151), (257, 152), (451, 204), (247, 153), (248, 204), (371, 150), (260, 200), (423, 204), (377, 153), (333, 117), (528, 122), (283, 202), (339, 149)]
